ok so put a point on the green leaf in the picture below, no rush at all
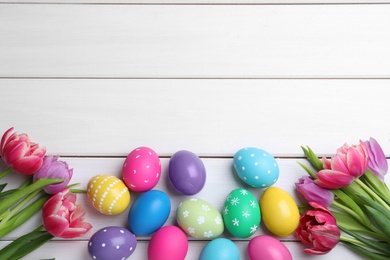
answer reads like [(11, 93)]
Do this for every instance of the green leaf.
[(367, 254), (351, 204), (2, 186), (310, 172), (380, 220), (312, 158), (381, 247), (372, 203), (376, 185), (31, 246)]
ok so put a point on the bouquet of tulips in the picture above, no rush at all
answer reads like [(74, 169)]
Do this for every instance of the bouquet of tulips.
[(45, 188), (350, 202)]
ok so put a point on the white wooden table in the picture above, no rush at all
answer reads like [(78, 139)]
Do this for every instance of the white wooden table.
[(93, 80)]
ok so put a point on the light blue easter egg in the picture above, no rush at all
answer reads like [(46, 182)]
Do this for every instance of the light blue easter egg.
[(256, 167), (220, 249)]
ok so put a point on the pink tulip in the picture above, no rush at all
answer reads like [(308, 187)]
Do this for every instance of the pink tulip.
[(54, 169), (351, 159), (62, 217), (314, 193), (20, 153), (330, 179), (377, 162), (318, 230)]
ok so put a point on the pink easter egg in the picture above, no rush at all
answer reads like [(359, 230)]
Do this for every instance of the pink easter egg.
[(266, 247), (169, 242), (141, 170)]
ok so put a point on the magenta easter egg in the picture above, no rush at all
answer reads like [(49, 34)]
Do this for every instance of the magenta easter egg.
[(266, 247), (169, 242), (141, 170)]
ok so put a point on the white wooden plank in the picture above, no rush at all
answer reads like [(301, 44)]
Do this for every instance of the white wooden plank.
[(194, 41), (220, 181), (208, 117)]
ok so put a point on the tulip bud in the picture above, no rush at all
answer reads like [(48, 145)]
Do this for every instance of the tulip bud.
[(54, 169), (314, 193), (351, 159), (377, 162), (20, 153), (318, 230)]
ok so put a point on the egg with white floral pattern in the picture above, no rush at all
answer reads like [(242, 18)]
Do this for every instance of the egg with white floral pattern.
[(241, 213), (256, 167), (200, 219)]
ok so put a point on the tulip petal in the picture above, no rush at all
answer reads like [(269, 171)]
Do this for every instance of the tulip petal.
[(330, 179), (55, 225), (27, 165), (4, 140), (377, 162), (356, 162)]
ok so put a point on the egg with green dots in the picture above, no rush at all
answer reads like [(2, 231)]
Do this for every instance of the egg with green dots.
[(108, 194), (256, 167)]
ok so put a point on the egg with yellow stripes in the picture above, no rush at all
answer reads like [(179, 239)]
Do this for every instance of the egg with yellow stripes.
[(108, 194)]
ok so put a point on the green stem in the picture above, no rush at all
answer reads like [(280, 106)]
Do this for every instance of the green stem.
[(373, 194), (351, 240), (21, 193), (19, 206), (5, 172), (23, 215), (348, 210)]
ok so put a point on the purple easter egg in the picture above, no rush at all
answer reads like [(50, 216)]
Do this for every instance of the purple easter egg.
[(112, 243), (186, 172)]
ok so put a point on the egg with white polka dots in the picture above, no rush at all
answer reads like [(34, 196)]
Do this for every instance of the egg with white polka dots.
[(200, 219), (112, 243), (256, 167), (141, 170), (108, 194)]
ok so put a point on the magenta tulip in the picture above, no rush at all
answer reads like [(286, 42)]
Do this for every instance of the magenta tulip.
[(351, 159), (318, 230), (62, 217), (314, 193), (330, 179), (54, 169), (377, 162), (20, 153)]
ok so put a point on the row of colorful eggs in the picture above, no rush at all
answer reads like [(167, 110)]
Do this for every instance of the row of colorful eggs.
[(241, 213)]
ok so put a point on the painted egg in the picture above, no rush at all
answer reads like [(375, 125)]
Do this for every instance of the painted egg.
[(279, 211), (186, 172), (220, 249), (112, 243), (108, 194), (256, 167), (241, 213), (267, 247), (199, 219), (141, 170), (149, 212), (169, 242)]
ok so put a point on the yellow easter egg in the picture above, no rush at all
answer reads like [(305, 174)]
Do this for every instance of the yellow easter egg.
[(279, 211), (108, 194)]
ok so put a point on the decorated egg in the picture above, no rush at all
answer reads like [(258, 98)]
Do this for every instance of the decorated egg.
[(279, 211), (256, 167), (149, 212), (186, 172), (267, 247), (199, 219), (220, 249), (108, 194), (241, 213), (112, 243), (141, 170), (169, 242)]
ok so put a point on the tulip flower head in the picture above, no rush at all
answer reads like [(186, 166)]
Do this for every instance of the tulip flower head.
[(314, 193), (377, 162), (20, 153), (62, 217), (318, 230), (351, 159), (53, 168)]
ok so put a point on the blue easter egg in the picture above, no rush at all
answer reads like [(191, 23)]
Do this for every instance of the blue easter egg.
[(256, 167), (149, 212), (221, 249)]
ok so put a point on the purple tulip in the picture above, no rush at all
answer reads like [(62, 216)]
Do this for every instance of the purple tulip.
[(314, 193), (377, 162), (52, 168)]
